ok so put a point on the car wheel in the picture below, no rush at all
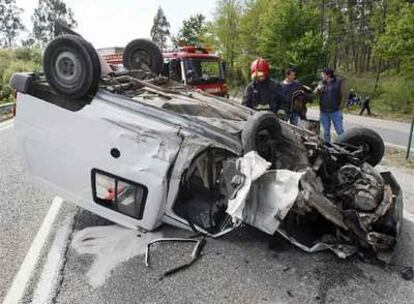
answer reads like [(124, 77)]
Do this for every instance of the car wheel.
[(97, 67), (261, 133), (143, 54), (72, 66), (370, 140)]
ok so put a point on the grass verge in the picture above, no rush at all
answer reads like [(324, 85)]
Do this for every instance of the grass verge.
[(397, 157)]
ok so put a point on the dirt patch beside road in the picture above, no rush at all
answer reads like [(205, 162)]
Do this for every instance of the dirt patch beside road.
[(397, 157)]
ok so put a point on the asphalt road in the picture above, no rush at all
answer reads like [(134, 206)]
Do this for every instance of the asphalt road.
[(242, 267), (393, 132), (23, 207)]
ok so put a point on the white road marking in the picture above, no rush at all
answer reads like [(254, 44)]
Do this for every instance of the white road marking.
[(18, 287), (49, 279), (6, 125)]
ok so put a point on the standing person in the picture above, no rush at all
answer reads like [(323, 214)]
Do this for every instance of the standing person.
[(331, 91), (290, 86), (365, 106), (263, 90)]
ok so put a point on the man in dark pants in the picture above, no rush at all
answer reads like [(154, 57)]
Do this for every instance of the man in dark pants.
[(365, 106), (263, 90), (331, 91), (290, 86)]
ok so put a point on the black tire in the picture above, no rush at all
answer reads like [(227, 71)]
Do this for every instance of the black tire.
[(252, 140), (96, 67), (143, 54), (368, 138), (72, 66)]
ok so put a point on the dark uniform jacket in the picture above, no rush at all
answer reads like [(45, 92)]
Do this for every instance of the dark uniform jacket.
[(266, 92)]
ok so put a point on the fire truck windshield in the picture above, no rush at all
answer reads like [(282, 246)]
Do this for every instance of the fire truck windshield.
[(203, 70)]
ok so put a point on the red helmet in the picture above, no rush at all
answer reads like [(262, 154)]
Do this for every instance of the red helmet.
[(260, 66)]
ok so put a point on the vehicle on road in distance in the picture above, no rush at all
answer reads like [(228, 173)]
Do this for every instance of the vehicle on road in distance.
[(134, 147), (189, 65)]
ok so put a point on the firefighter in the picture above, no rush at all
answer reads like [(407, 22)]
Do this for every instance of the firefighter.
[(263, 90)]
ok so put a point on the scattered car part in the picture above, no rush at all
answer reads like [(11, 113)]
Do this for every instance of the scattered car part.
[(407, 273), (143, 54), (199, 245)]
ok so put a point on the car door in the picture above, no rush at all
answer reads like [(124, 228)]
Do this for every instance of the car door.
[(106, 157)]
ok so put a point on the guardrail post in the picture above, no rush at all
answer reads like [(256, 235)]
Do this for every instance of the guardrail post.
[(410, 139)]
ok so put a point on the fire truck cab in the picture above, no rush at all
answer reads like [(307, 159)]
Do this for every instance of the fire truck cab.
[(197, 67)]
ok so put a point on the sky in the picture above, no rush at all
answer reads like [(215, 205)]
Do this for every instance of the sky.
[(108, 23)]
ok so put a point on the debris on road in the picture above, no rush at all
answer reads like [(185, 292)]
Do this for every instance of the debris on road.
[(407, 273), (195, 255)]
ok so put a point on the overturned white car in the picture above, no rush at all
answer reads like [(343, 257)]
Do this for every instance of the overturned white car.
[(141, 150)]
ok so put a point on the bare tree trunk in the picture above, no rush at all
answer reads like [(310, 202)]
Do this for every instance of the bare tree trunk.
[(380, 63), (377, 78)]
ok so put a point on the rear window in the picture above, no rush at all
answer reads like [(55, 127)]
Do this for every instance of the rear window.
[(119, 194)]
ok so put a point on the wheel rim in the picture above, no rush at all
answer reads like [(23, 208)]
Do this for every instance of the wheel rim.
[(141, 60), (68, 69)]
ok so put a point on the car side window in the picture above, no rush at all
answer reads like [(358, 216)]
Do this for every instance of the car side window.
[(119, 194)]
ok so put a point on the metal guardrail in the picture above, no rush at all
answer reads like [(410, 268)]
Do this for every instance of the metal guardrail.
[(6, 110)]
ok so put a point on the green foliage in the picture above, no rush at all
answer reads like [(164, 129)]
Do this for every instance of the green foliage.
[(397, 42), (16, 60), (291, 38), (225, 31), (160, 30), (46, 15), (399, 95), (251, 29), (280, 30), (193, 31), (10, 22), (395, 96)]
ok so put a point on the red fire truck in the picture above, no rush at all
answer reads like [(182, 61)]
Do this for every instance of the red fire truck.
[(189, 65)]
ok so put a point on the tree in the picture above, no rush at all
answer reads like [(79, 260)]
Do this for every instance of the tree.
[(160, 30), (226, 30), (397, 42), (250, 33), (291, 37), (193, 31), (10, 22), (47, 13)]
